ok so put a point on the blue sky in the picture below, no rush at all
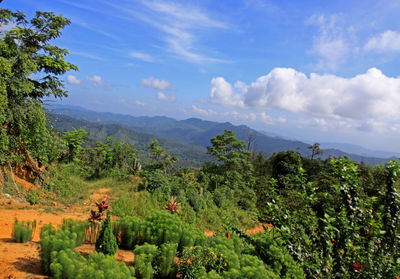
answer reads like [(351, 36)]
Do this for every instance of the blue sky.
[(312, 70)]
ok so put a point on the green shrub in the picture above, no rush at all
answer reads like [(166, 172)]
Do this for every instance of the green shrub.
[(22, 231), (70, 265), (106, 242), (137, 204), (66, 183), (165, 261), (32, 197), (161, 227), (145, 256), (271, 249), (76, 226), (60, 261), (50, 243), (127, 230), (251, 267)]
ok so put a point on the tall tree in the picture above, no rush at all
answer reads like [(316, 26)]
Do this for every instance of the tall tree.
[(315, 150), (234, 160), (30, 67)]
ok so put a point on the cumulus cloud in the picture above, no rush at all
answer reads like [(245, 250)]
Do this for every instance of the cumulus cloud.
[(71, 79), (367, 96), (203, 112), (330, 43), (166, 98), (96, 81), (157, 84), (222, 92), (388, 41)]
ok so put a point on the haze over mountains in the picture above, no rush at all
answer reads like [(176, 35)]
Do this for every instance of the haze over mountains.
[(193, 135)]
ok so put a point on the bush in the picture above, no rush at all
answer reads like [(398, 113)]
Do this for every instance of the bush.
[(60, 261), (63, 239), (127, 230), (165, 261), (70, 264), (106, 242), (271, 249), (32, 197), (145, 256), (22, 231), (161, 227)]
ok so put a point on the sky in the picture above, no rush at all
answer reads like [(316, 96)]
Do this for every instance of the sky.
[(318, 71)]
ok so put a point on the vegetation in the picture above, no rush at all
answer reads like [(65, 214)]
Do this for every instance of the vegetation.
[(22, 231), (331, 218), (106, 242)]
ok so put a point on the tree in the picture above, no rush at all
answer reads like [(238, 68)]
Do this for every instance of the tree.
[(316, 150), (234, 168), (75, 139), (156, 150), (30, 67)]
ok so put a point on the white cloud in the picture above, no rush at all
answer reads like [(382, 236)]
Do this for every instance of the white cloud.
[(180, 24), (71, 79), (330, 43), (96, 81), (222, 92), (388, 41), (157, 84), (368, 96), (142, 56), (166, 98), (203, 112), (139, 103), (267, 119)]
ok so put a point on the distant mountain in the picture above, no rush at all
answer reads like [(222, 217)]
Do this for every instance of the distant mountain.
[(189, 155), (197, 132), (359, 150)]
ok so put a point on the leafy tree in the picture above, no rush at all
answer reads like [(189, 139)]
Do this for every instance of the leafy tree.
[(161, 160), (156, 150), (315, 149), (75, 139), (30, 67), (234, 169)]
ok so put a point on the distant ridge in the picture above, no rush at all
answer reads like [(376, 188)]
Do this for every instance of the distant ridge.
[(197, 132)]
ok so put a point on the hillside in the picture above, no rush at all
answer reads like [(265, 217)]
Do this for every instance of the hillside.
[(189, 155), (197, 132)]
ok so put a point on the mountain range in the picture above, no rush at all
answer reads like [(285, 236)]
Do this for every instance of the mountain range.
[(191, 134)]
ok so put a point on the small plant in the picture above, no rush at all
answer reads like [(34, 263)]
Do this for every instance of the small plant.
[(22, 232), (173, 206), (106, 243), (95, 219), (32, 197), (103, 205)]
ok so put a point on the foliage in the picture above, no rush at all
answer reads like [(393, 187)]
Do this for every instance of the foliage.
[(111, 158), (30, 66), (32, 197), (74, 140), (145, 256), (106, 242), (128, 231), (22, 231), (67, 263), (174, 206), (65, 183)]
